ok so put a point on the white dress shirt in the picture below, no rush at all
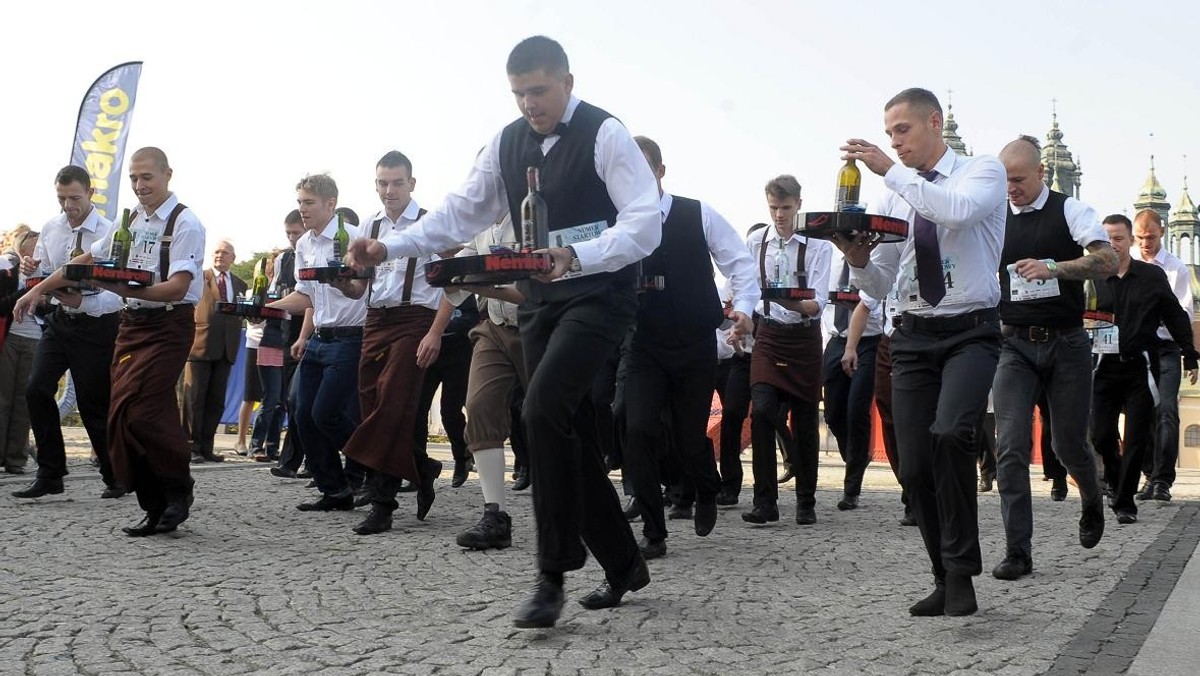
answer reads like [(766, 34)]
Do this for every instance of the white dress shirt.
[(186, 252), (816, 266), (482, 201), (966, 201), (501, 313), (728, 252), (230, 296), (330, 307), (1082, 220), (874, 307), (54, 248), (1181, 281), (387, 289)]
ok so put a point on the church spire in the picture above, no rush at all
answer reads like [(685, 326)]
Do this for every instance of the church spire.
[(1062, 173), (950, 128)]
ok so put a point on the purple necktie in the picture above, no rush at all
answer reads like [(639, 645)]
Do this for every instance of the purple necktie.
[(930, 283)]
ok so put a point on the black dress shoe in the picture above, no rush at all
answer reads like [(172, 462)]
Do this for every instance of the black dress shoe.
[(1161, 492), (727, 497), (848, 502), (609, 593), (328, 504), (461, 469), (788, 475), (1013, 567), (1058, 490), (543, 608), (677, 512), (283, 473), (197, 459), (113, 492), (933, 605), (1146, 492), (520, 479), (15, 470), (146, 527), (378, 520), (909, 519), (985, 483), (761, 514), (177, 511), (406, 486), (363, 497), (425, 493), (960, 595), (1126, 517), (304, 474), (41, 487), (1091, 525), (494, 530), (652, 550), (632, 511), (706, 517), (805, 516), (213, 457)]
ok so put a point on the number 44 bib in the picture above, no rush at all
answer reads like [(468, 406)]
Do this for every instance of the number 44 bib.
[(1020, 289)]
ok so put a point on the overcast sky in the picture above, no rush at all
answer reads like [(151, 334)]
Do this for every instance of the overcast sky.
[(246, 98)]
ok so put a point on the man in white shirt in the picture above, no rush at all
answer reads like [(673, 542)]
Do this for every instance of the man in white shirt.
[(1159, 466), (326, 410), (945, 352), (1052, 244), (78, 336), (600, 196), (149, 452), (785, 369), (401, 338)]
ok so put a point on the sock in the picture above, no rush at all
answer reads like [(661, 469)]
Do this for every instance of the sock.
[(489, 465)]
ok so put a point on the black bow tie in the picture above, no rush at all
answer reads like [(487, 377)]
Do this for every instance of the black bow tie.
[(559, 130)]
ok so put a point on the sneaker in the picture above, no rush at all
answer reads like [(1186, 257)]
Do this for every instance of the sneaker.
[(494, 530)]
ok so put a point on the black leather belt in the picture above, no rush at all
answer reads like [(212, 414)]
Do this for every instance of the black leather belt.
[(158, 311), (950, 324), (335, 332), (1034, 334)]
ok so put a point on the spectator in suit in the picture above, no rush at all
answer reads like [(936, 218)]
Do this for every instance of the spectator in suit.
[(214, 350)]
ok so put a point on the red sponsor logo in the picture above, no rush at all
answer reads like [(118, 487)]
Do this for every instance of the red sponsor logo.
[(107, 274), (433, 271), (891, 226), (501, 262), (817, 220)]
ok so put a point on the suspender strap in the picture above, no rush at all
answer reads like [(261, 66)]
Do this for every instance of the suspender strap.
[(371, 278), (164, 249), (410, 269), (801, 273)]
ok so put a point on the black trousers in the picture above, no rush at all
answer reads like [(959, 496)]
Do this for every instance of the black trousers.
[(84, 345), (451, 371), (985, 445), (1123, 386), (566, 342), (733, 387), (1052, 468), (678, 378), (204, 385), (940, 385), (769, 415), (848, 406), (516, 433), (291, 454)]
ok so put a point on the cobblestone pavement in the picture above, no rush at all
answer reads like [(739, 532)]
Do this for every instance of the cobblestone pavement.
[(251, 585)]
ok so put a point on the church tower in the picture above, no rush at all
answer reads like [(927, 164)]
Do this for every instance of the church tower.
[(1062, 172)]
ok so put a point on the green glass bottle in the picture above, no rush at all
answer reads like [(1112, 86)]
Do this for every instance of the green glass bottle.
[(259, 290), (122, 243), (341, 243), (849, 186)]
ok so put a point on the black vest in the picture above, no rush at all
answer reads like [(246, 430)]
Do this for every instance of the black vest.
[(1043, 233), (574, 194), (688, 308)]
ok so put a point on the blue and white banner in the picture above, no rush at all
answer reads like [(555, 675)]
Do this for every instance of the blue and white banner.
[(103, 128)]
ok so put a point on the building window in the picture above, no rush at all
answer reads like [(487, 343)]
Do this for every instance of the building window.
[(1191, 436)]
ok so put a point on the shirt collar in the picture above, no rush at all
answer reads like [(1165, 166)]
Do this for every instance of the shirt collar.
[(664, 205), (328, 230), (945, 165), (572, 104), (89, 223), (164, 210), (1036, 205)]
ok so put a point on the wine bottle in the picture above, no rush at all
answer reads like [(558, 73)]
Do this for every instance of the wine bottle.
[(783, 267), (849, 185), (122, 243), (535, 215), (341, 242), (77, 250), (259, 290)]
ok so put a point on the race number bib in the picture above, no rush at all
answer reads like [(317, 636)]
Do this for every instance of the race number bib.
[(909, 291), (144, 254), (1106, 341), (1021, 289), (574, 235)]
